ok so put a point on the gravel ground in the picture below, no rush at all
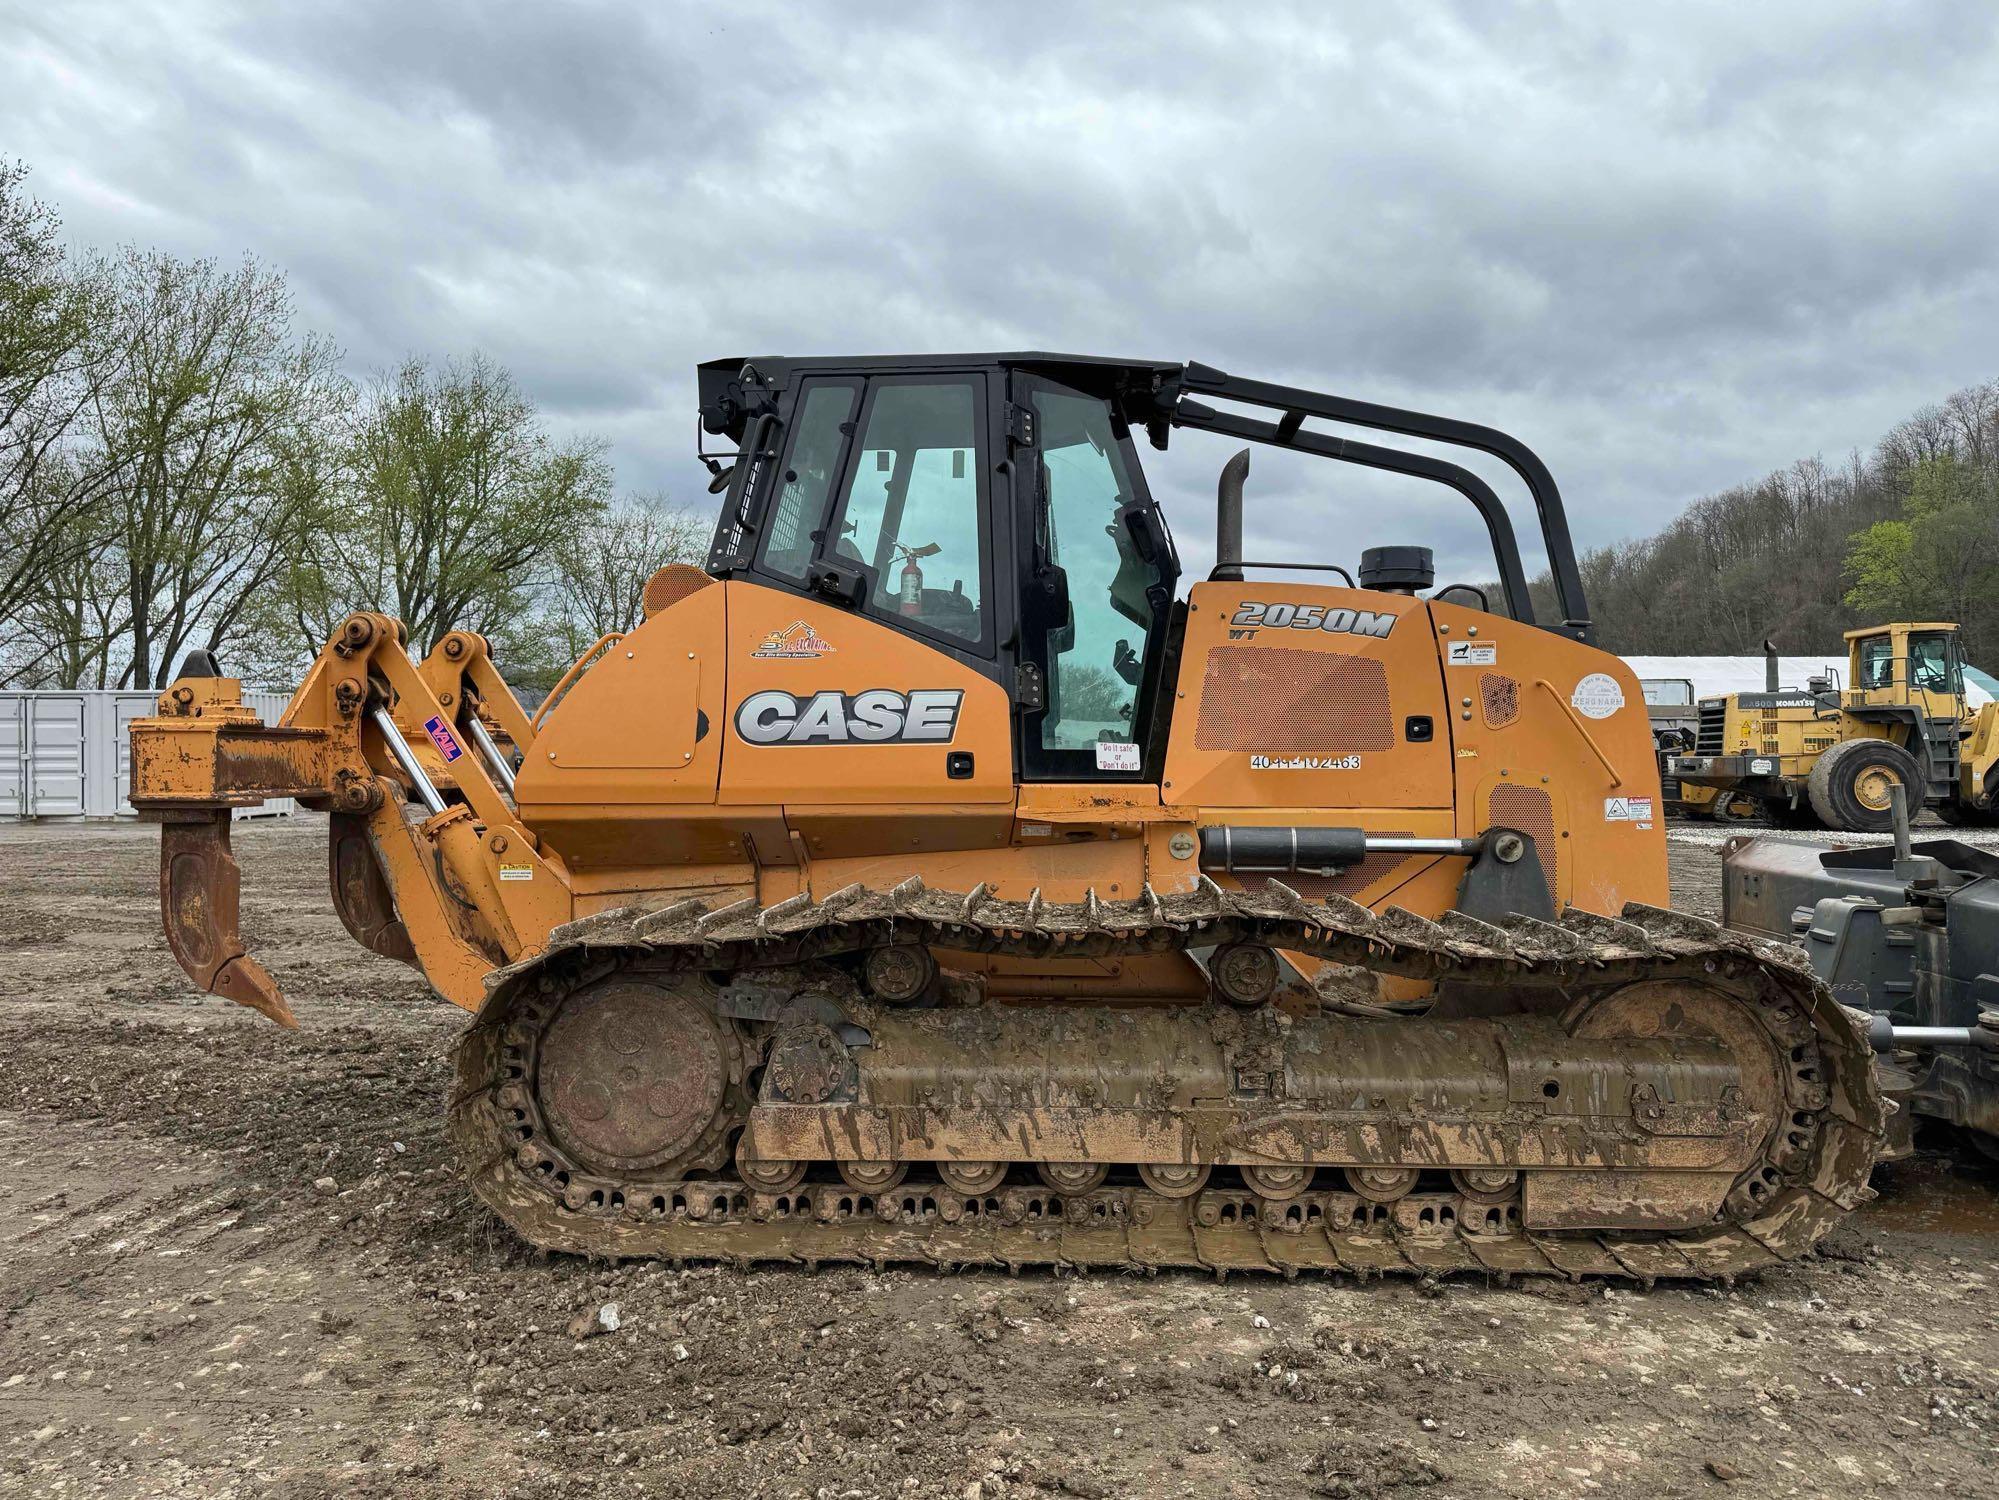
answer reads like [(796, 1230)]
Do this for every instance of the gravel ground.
[(234, 1261)]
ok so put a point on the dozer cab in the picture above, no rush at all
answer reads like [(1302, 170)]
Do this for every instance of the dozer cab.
[(1823, 756), (931, 877)]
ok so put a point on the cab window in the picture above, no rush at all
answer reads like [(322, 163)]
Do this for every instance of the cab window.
[(1095, 658), (810, 469), (1932, 667), (1877, 662), (912, 517)]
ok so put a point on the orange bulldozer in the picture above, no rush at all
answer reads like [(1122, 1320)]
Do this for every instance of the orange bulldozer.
[(932, 877)]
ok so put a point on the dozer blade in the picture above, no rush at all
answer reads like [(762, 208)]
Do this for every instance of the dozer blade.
[(200, 885)]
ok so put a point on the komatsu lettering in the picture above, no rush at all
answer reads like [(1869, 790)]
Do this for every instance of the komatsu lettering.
[(879, 716)]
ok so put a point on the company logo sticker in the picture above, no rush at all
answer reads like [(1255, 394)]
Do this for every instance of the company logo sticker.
[(1472, 654), (879, 716), (798, 641), (1597, 696), (442, 737)]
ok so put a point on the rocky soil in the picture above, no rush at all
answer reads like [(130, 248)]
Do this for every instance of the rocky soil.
[(234, 1261)]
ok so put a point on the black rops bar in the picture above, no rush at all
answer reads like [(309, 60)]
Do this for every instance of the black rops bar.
[(1499, 525), (1296, 403)]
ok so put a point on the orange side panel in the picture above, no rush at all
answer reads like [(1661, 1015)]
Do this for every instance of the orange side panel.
[(795, 669), (1551, 736), (1298, 695)]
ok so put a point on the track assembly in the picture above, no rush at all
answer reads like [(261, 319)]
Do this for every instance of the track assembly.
[(1647, 1097)]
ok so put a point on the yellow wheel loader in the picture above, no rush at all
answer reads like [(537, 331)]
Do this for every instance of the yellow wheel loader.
[(1820, 756), (931, 877)]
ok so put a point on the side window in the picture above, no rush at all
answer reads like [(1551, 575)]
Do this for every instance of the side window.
[(810, 470), (1877, 662), (1931, 668), (911, 516), (1095, 660)]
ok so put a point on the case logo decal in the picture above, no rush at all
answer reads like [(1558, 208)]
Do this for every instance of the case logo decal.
[(1250, 616), (879, 716), (798, 641)]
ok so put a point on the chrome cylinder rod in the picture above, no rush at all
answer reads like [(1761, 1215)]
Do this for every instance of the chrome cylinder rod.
[(502, 767), (406, 759)]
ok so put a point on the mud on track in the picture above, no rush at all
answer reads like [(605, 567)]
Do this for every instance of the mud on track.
[(182, 1310)]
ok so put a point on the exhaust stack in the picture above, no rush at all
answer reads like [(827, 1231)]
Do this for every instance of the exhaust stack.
[(1228, 520)]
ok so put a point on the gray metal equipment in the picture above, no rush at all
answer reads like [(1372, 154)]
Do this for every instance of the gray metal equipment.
[(1906, 932)]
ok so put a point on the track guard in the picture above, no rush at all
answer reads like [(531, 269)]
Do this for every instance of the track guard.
[(200, 885)]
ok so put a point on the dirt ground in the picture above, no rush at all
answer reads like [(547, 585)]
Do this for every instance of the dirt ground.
[(234, 1261)]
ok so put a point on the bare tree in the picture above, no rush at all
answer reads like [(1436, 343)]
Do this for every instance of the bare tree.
[(604, 566), (206, 391)]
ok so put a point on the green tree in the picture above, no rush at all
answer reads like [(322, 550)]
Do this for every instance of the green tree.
[(451, 509), (51, 345), (204, 393)]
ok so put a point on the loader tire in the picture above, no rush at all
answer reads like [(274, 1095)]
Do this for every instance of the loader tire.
[(1849, 785), (1961, 814)]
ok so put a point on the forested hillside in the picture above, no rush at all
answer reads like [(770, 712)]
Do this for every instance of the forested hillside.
[(1909, 530)]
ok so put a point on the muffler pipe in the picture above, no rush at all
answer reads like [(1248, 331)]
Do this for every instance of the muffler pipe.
[(1228, 520)]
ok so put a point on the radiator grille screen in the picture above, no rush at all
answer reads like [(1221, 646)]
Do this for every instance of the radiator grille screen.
[(1281, 698), (1529, 809), (1500, 696)]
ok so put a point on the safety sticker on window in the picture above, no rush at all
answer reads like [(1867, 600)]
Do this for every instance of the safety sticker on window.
[(1112, 756)]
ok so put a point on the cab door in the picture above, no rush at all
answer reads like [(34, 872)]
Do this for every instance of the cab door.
[(1098, 570)]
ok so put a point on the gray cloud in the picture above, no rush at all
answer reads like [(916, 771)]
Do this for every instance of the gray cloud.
[(1671, 249)]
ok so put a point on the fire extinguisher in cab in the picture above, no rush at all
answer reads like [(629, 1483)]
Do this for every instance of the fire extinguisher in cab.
[(909, 585)]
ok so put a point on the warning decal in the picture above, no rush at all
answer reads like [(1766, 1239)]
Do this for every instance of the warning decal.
[(1472, 654), (1628, 810)]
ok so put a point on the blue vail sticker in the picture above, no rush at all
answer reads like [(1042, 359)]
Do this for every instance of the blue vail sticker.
[(442, 737)]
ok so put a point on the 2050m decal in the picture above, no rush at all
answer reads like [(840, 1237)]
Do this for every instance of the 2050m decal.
[(1307, 617), (879, 716)]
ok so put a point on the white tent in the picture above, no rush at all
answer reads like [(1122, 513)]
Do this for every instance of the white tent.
[(1713, 676)]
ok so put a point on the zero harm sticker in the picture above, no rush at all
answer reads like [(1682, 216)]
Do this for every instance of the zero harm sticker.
[(1112, 756), (1472, 654), (1597, 696), (516, 872), (442, 737), (1304, 763), (1627, 810)]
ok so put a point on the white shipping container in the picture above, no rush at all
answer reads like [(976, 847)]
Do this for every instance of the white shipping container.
[(68, 755)]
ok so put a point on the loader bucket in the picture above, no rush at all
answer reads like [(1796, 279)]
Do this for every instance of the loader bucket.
[(199, 889)]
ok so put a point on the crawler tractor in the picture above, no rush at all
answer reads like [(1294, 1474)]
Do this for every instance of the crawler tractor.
[(930, 878)]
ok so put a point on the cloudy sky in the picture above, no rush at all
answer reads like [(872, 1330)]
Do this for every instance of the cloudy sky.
[(1672, 247)]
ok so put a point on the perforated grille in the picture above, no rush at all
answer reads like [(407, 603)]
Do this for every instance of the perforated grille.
[(1530, 810), (1281, 698), (1499, 695), (671, 584), (1351, 881)]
